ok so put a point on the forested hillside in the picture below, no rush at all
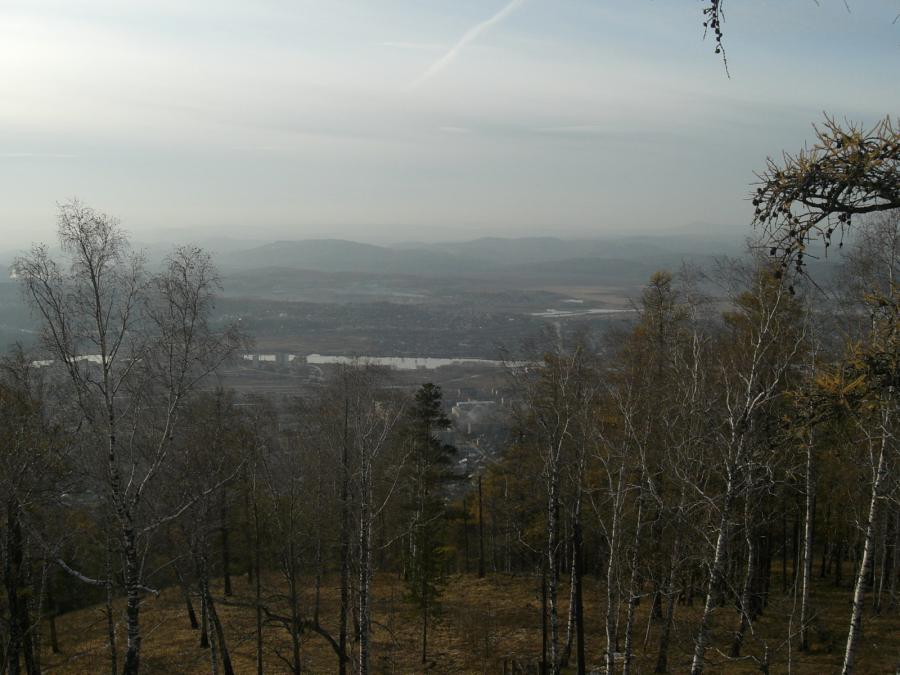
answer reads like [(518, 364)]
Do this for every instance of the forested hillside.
[(713, 483)]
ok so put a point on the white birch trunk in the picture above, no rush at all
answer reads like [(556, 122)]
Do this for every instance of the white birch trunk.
[(715, 581), (634, 592), (859, 590), (552, 544), (612, 601), (807, 547)]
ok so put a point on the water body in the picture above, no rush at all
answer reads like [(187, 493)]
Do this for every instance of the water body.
[(91, 358), (396, 362), (568, 313), (401, 362)]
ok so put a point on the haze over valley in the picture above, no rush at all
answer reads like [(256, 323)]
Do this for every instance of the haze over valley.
[(455, 299)]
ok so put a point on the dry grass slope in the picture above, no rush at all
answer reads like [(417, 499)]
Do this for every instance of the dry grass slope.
[(483, 622)]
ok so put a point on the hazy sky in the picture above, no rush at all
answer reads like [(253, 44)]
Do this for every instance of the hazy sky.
[(385, 120)]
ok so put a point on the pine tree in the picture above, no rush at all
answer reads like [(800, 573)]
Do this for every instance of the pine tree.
[(430, 469)]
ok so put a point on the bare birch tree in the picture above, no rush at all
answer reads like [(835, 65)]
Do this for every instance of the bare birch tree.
[(754, 359), (867, 384), (131, 344)]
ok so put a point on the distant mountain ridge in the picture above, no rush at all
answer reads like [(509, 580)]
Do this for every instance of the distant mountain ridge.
[(340, 255), (488, 257)]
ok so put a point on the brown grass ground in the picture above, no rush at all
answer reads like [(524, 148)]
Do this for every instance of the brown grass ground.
[(483, 622)]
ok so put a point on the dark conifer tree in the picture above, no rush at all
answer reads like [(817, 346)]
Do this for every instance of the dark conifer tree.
[(430, 468)]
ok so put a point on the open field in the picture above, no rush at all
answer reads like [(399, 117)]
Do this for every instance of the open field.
[(607, 296), (484, 622)]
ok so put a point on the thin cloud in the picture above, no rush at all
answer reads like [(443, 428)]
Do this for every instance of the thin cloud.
[(35, 155), (426, 46), (469, 36)]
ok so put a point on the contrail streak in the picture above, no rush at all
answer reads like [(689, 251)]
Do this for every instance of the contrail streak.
[(468, 37)]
